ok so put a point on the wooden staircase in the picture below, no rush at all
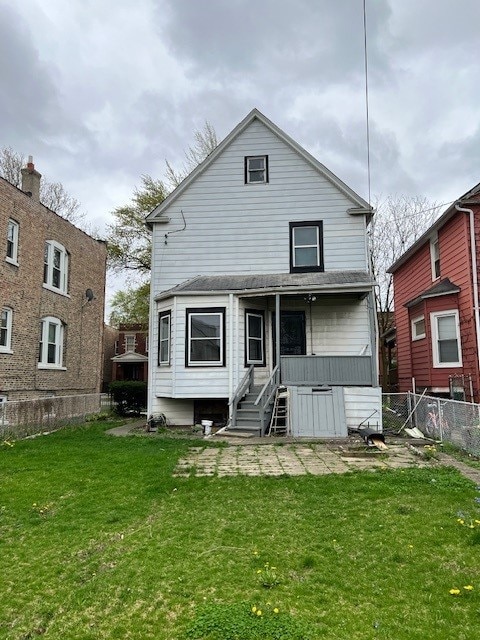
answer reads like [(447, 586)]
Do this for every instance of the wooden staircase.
[(248, 420)]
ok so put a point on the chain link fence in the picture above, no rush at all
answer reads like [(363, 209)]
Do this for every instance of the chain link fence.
[(441, 419), (22, 418)]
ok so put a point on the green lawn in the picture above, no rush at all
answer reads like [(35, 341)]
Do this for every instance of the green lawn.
[(98, 540)]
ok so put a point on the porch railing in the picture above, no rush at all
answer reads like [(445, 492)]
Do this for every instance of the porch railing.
[(265, 397), (246, 383), (331, 370)]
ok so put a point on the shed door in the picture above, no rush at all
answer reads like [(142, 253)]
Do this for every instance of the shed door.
[(318, 412)]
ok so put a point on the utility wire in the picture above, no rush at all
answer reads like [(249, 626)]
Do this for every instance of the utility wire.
[(366, 99)]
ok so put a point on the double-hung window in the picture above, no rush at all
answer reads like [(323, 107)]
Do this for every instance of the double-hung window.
[(255, 337), (418, 328), (164, 337), (435, 257), (55, 267), (50, 355), (12, 242), (6, 330), (256, 169), (306, 246), (446, 339), (205, 345), (130, 342)]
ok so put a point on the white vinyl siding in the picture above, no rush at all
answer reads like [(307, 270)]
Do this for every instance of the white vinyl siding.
[(246, 230)]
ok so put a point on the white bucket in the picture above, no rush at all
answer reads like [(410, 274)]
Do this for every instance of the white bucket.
[(207, 427)]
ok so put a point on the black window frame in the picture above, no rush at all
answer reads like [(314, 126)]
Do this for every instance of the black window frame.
[(248, 171), (161, 315), (248, 362), (307, 269), (221, 311)]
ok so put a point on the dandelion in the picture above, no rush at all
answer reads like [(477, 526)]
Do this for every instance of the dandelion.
[(254, 609), (460, 521), (259, 571), (468, 587), (259, 612), (276, 610), (454, 592)]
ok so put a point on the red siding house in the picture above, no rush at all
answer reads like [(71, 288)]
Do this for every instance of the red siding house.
[(436, 305)]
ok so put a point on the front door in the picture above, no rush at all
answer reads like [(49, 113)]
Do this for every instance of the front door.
[(292, 334)]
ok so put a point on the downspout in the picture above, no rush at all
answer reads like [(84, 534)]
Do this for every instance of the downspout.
[(231, 365), (473, 250)]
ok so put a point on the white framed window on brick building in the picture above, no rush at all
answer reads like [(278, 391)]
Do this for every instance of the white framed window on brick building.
[(446, 345), (12, 242), (130, 342), (55, 267), (50, 355), (6, 319)]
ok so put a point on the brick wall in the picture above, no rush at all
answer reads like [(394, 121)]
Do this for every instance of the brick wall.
[(22, 290)]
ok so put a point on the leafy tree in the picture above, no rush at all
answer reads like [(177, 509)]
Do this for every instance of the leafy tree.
[(52, 194), (398, 222), (128, 239), (131, 306), (205, 141)]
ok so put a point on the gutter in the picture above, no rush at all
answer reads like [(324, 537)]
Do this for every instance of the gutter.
[(473, 251)]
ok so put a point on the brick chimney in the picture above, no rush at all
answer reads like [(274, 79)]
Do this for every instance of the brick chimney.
[(31, 180)]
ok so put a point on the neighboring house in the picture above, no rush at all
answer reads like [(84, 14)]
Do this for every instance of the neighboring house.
[(131, 353), (437, 307), (260, 241), (52, 291), (110, 347)]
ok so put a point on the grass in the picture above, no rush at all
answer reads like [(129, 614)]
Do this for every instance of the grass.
[(98, 540)]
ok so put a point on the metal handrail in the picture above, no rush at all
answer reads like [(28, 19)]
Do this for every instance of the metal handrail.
[(245, 384), (271, 384)]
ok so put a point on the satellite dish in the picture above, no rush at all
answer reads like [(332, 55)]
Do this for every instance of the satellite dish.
[(89, 295)]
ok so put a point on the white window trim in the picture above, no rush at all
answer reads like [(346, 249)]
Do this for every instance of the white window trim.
[(434, 243), (205, 363), (13, 259), (315, 246), (43, 356), (248, 171), (7, 348), (63, 288), (249, 337), (164, 316), (125, 342), (415, 335), (435, 353)]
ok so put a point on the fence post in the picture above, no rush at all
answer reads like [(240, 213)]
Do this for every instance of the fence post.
[(409, 403), (440, 418)]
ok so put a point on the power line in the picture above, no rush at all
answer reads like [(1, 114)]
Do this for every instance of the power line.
[(366, 98)]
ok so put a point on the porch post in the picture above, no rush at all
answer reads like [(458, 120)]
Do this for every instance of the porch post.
[(373, 337), (277, 333)]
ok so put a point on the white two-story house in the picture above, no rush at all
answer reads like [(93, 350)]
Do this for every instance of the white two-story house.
[(260, 278)]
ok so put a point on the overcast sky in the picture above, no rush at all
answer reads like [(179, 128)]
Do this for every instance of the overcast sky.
[(103, 91)]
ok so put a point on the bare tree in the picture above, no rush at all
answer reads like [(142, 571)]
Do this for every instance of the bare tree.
[(52, 194), (205, 141), (398, 222)]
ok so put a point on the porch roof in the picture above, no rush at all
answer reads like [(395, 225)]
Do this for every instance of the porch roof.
[(130, 356), (359, 282)]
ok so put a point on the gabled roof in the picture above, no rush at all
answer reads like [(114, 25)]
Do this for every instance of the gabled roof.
[(270, 283), (470, 197), (130, 356), (360, 206), (442, 288)]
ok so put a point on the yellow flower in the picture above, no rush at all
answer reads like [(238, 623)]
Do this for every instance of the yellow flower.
[(275, 610), (461, 521), (259, 571), (254, 608), (454, 592), (477, 521), (259, 613), (410, 546), (468, 587)]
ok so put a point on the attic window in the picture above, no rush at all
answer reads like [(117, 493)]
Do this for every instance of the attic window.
[(435, 258), (256, 169)]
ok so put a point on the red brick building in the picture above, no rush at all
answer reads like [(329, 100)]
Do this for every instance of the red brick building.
[(52, 292), (437, 305), (131, 353)]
